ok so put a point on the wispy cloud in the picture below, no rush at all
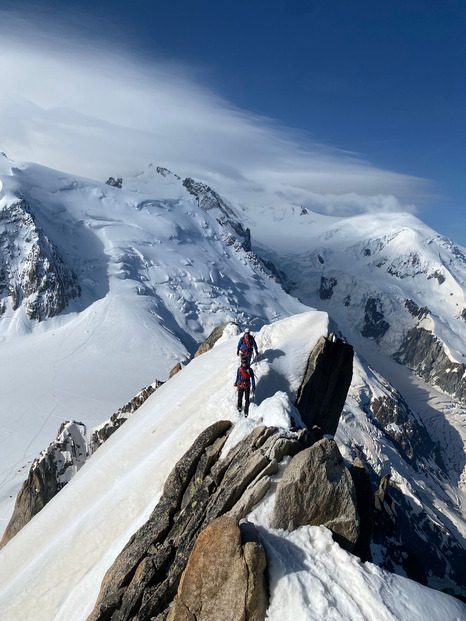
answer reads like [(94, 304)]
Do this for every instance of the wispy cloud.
[(90, 110)]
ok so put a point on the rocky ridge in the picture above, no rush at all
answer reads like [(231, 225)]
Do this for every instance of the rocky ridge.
[(73, 446), (206, 485), (144, 579), (63, 458), (169, 568)]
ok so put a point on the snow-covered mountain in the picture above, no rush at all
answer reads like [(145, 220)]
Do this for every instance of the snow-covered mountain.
[(105, 286), (387, 280), (156, 272)]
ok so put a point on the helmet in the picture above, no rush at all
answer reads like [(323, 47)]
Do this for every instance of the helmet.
[(244, 361), (247, 331)]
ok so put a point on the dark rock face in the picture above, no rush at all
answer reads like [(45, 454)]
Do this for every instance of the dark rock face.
[(115, 183), (317, 488), (422, 352), (415, 310), (398, 421), (224, 577), (326, 287), (407, 266), (374, 325), (143, 581), (57, 465), (365, 503), (407, 537), (438, 276), (32, 271), (323, 391), (48, 475), (211, 339)]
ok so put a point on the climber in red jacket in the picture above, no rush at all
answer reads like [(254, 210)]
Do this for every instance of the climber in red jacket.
[(245, 380)]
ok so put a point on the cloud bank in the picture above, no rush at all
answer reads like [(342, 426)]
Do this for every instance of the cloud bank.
[(84, 108)]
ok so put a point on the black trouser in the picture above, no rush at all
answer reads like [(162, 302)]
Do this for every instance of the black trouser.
[(246, 392)]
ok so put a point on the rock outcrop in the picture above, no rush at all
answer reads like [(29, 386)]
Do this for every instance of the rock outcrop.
[(422, 352), (211, 339), (323, 391), (48, 474), (365, 503), (410, 538), (317, 489), (176, 369), (374, 326), (32, 271), (144, 579), (224, 577), (57, 464)]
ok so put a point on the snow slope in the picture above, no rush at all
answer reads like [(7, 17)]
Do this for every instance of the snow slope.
[(52, 569), (156, 276), (391, 256)]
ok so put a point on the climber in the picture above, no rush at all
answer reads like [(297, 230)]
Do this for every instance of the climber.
[(244, 381), (246, 345)]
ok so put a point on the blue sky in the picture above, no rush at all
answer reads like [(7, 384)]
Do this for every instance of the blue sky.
[(380, 84)]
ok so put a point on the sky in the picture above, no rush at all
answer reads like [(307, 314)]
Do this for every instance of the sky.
[(313, 98)]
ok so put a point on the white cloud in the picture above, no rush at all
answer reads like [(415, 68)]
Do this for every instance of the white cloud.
[(72, 105)]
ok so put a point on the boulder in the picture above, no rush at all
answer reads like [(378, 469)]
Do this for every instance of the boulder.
[(323, 391), (317, 489), (144, 579), (224, 578)]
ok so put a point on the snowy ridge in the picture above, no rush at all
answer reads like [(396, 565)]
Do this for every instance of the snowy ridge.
[(94, 515)]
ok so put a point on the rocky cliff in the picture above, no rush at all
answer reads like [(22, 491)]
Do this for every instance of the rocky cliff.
[(32, 271), (425, 354)]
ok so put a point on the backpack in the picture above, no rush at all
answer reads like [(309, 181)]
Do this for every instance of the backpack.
[(245, 378), (247, 345)]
